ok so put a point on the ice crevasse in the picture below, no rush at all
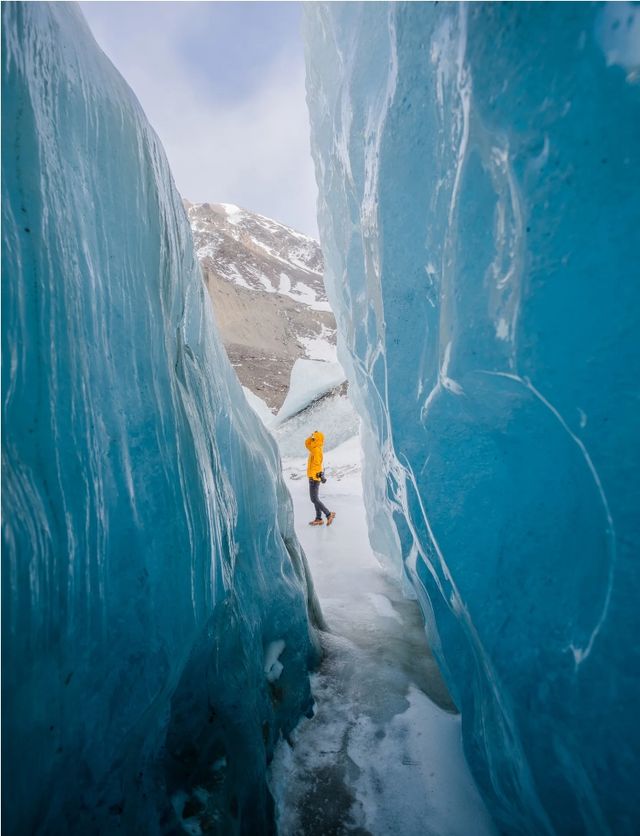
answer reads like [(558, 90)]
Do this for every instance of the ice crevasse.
[(479, 175), (149, 561)]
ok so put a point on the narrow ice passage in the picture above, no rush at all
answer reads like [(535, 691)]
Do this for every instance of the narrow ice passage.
[(478, 168), (383, 753)]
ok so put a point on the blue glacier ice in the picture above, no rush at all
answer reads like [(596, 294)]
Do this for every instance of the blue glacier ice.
[(479, 175), (149, 563)]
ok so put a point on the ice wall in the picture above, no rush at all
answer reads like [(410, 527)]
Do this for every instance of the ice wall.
[(149, 560), (479, 174)]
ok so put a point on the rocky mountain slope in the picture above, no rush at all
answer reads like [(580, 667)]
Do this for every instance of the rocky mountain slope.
[(265, 281)]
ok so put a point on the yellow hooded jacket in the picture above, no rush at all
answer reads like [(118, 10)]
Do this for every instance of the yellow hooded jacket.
[(314, 446)]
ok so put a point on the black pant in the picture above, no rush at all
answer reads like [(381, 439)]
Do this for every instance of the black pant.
[(321, 509)]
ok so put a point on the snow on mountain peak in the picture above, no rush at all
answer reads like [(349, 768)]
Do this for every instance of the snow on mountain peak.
[(266, 283), (232, 211), (271, 258)]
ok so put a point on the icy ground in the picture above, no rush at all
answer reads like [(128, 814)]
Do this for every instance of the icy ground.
[(383, 753)]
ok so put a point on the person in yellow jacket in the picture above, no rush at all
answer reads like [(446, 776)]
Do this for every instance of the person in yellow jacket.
[(316, 475)]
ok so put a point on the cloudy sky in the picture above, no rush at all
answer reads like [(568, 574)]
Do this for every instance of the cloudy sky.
[(223, 86)]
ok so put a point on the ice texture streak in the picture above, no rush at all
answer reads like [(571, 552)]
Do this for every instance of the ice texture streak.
[(479, 175), (149, 559)]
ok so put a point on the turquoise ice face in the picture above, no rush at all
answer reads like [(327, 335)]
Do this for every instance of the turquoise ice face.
[(149, 558), (479, 173)]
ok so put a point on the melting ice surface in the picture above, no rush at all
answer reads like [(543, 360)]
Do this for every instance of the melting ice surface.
[(479, 174), (150, 567)]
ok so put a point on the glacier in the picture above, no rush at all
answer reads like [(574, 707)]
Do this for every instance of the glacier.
[(308, 382), (479, 176), (149, 563)]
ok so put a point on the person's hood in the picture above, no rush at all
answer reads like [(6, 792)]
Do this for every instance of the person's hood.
[(315, 440)]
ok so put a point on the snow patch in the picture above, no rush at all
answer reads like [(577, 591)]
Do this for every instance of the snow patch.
[(319, 348), (285, 284), (272, 666), (233, 213)]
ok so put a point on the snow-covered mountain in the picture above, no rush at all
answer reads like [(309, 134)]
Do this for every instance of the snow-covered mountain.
[(265, 281)]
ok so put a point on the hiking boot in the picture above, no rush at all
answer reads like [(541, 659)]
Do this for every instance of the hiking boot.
[(317, 522), (331, 517)]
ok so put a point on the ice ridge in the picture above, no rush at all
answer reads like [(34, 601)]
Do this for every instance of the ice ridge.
[(479, 175), (149, 557)]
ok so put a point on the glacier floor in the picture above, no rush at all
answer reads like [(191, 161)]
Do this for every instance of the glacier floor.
[(383, 752)]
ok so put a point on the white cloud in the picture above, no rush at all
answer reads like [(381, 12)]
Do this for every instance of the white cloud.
[(253, 152)]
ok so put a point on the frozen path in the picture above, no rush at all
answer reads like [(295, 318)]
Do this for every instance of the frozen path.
[(379, 756)]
